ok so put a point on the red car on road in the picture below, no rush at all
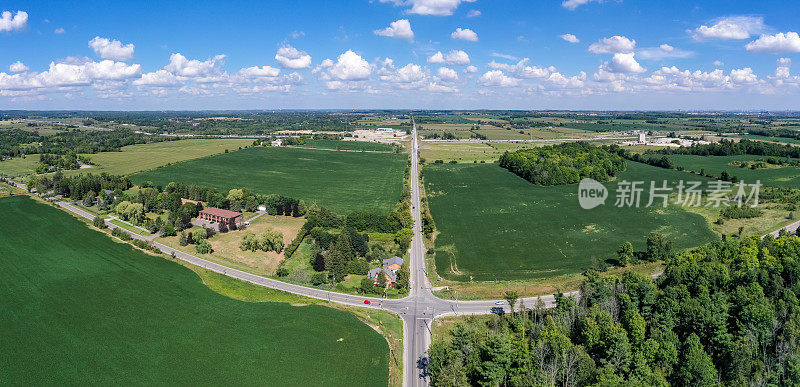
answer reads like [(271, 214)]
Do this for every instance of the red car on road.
[(367, 302)]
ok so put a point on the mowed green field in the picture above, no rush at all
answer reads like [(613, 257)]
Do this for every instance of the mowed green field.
[(77, 308), (496, 225), (341, 181), (141, 157), (777, 177)]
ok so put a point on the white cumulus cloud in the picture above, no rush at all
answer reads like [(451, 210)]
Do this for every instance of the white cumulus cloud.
[(570, 38), (13, 22), (180, 65), (429, 7), (447, 74), (464, 34), (731, 27), (292, 58), (623, 63), (400, 29), (497, 78), (18, 67), (522, 70), (259, 72), (454, 58), (744, 76), (613, 45), (350, 67), (780, 42), (111, 49), (473, 13), (158, 78), (348, 72)]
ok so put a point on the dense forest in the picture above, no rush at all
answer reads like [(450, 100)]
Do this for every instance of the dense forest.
[(726, 313), (563, 164)]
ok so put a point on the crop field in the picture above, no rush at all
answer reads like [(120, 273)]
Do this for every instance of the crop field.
[(466, 152), (76, 307), (141, 157), (346, 145), (495, 225), (341, 181), (786, 176)]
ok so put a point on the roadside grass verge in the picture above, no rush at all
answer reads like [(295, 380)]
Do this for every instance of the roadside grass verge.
[(133, 229)]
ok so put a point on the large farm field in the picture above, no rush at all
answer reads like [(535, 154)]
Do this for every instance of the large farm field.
[(785, 176), (341, 181), (497, 226), (141, 157), (77, 307)]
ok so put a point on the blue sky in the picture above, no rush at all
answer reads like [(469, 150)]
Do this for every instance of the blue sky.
[(423, 54)]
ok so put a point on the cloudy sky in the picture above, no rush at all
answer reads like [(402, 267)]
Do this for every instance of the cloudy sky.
[(424, 54)]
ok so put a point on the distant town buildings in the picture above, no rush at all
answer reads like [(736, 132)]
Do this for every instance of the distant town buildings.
[(383, 135)]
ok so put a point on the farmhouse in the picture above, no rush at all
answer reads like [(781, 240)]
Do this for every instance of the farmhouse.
[(219, 215), (389, 270)]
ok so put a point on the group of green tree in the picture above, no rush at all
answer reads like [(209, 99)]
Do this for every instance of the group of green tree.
[(16, 142), (442, 135), (563, 163), (51, 162), (77, 187), (199, 239), (733, 148), (269, 240), (726, 313)]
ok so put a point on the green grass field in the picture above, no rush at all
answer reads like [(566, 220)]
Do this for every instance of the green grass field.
[(346, 145), (19, 166), (341, 181), (141, 157), (77, 308), (778, 177), (495, 225)]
